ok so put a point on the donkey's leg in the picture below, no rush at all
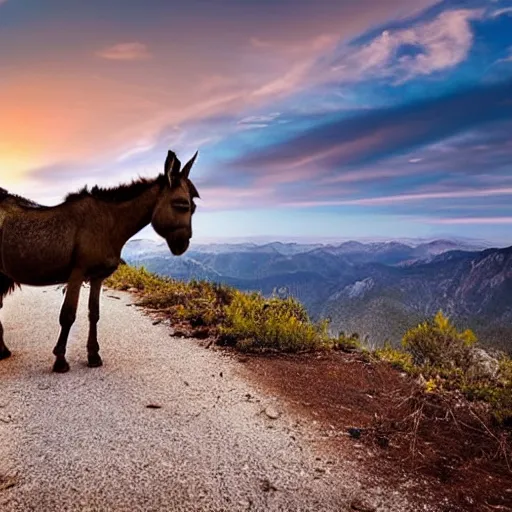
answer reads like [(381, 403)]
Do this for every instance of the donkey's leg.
[(7, 286), (93, 356), (4, 351), (66, 319)]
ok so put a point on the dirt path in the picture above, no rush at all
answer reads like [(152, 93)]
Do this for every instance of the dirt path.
[(87, 441)]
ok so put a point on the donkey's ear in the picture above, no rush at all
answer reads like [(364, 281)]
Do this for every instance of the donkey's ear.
[(172, 167), (186, 170)]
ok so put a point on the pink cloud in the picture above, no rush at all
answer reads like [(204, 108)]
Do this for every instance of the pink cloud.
[(474, 220), (125, 51), (386, 200)]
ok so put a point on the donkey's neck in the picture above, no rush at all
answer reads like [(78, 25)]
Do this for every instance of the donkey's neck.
[(135, 214)]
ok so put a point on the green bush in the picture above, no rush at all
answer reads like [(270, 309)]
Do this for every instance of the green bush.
[(347, 343), (247, 321), (437, 344), (199, 302), (253, 323), (398, 358), (126, 277)]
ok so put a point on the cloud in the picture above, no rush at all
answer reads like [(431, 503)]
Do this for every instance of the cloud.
[(405, 53), (258, 121), (126, 52), (508, 58), (501, 12), (142, 147), (391, 200), (321, 43), (473, 220), (364, 137)]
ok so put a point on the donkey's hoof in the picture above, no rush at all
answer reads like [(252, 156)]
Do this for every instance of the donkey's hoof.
[(61, 366), (94, 361), (4, 353)]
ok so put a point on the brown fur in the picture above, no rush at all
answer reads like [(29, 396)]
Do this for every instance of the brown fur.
[(81, 240)]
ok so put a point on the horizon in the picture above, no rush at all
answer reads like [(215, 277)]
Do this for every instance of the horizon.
[(313, 119), (328, 241)]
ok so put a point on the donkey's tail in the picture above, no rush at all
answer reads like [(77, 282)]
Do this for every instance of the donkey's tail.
[(7, 285)]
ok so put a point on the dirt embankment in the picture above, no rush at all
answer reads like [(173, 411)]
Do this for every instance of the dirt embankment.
[(379, 416)]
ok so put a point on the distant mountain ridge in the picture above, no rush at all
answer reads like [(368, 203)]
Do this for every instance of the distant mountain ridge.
[(378, 289)]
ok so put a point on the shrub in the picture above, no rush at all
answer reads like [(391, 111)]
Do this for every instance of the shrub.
[(199, 302), (497, 393), (437, 344), (347, 343), (398, 358), (253, 323), (126, 277), (247, 321)]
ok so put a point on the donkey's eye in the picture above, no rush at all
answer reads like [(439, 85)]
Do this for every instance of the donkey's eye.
[(182, 206)]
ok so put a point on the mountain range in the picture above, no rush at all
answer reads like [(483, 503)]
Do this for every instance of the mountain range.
[(378, 289)]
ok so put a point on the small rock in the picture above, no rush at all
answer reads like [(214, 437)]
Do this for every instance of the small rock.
[(362, 505), (156, 322), (154, 406), (132, 290), (272, 413), (483, 364)]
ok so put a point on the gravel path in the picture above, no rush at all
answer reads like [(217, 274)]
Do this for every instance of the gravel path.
[(87, 441)]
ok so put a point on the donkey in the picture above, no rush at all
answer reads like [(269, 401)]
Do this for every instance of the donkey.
[(80, 240)]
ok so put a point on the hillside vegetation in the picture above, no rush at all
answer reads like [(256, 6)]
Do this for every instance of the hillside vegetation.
[(379, 290), (444, 359)]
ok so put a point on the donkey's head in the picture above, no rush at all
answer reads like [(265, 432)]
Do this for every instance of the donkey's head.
[(172, 216)]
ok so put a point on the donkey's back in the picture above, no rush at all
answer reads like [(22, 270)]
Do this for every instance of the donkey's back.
[(37, 244)]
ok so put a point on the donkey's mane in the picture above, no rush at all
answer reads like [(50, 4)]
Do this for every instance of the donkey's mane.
[(125, 192), (118, 194)]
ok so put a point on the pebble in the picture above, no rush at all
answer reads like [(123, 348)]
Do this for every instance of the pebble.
[(272, 412), (362, 505)]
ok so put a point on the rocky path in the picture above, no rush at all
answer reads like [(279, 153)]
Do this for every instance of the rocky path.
[(87, 440)]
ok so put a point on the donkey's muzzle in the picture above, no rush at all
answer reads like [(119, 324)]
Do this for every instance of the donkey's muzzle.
[(178, 250), (178, 242)]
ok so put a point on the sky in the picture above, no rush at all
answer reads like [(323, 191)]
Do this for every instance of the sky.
[(313, 118)]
